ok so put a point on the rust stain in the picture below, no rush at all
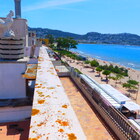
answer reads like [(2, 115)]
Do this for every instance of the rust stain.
[(35, 112), (72, 136), (31, 126), (57, 70), (41, 95), (61, 130), (52, 73), (40, 124), (64, 106), (32, 139), (50, 88), (62, 123), (41, 101), (29, 71), (34, 131), (39, 92), (38, 87), (48, 96)]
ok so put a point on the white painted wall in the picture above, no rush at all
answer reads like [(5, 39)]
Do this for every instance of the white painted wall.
[(11, 114), (12, 85), (36, 53), (27, 51)]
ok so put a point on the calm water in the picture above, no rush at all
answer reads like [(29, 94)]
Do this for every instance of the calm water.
[(128, 56)]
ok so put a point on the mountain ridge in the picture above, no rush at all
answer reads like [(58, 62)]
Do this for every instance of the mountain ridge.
[(91, 37)]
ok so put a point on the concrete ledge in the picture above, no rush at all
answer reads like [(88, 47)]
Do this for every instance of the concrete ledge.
[(52, 115)]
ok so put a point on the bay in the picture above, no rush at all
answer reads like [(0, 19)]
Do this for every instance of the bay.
[(128, 56)]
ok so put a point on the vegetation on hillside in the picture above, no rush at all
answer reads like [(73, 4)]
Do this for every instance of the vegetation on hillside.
[(91, 37)]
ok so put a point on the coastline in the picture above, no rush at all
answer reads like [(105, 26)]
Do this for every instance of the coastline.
[(108, 44), (126, 56), (133, 75), (104, 62)]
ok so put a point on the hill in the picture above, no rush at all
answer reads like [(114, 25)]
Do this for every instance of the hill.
[(92, 37)]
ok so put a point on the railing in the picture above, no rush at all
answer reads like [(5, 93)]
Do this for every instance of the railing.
[(113, 117)]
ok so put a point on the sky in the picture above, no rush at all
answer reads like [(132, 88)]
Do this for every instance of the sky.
[(80, 16)]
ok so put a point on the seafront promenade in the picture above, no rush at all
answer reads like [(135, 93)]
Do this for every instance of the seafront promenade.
[(133, 75)]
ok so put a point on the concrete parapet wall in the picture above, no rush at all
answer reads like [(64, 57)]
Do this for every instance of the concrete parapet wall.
[(52, 112)]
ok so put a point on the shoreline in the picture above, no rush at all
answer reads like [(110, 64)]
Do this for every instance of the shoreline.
[(109, 44), (133, 74), (108, 62)]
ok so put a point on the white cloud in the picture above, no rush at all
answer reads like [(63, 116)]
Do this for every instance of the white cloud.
[(50, 4)]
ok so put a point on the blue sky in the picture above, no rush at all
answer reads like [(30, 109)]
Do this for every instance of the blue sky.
[(80, 16)]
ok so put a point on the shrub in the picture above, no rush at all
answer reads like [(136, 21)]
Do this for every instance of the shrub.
[(87, 62), (78, 71)]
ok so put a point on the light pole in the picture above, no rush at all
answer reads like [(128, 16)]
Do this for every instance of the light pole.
[(17, 8)]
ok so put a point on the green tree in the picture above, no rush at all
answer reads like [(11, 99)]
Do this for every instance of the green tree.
[(98, 69), (129, 86), (106, 73), (51, 39), (87, 62), (133, 82), (116, 78), (66, 43), (72, 44), (94, 64)]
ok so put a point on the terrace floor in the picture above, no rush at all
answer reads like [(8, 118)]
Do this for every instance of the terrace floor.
[(19, 130), (92, 126)]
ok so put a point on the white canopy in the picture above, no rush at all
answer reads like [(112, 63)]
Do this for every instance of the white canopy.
[(118, 96), (132, 106), (94, 85)]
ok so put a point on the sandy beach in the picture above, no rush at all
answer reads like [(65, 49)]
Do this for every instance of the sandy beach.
[(133, 75)]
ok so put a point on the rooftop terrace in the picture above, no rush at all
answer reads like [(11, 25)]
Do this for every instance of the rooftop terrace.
[(69, 114)]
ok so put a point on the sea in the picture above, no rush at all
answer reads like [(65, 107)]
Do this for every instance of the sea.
[(125, 55)]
